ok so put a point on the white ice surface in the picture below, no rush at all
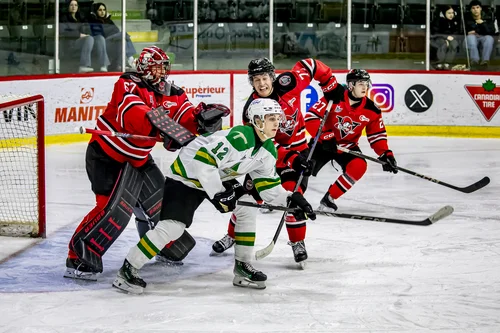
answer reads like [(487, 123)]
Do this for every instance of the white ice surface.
[(361, 276)]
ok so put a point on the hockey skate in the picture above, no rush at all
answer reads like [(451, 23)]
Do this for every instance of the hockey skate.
[(327, 204), (299, 252), (222, 245), (248, 277), (128, 279), (75, 269)]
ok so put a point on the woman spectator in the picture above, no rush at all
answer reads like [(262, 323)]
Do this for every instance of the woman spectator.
[(445, 31), (102, 25), (75, 35)]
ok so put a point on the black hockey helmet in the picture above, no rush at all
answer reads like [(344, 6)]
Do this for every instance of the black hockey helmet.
[(260, 66), (355, 75)]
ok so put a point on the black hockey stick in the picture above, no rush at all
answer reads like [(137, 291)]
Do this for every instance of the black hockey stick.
[(440, 214), (468, 189), (262, 253)]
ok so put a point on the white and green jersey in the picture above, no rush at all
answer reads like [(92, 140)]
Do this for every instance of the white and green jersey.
[(224, 155)]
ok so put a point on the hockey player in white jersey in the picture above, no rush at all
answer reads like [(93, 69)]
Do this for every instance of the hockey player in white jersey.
[(206, 169)]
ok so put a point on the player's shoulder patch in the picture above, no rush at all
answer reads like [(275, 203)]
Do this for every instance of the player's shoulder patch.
[(370, 105), (285, 82)]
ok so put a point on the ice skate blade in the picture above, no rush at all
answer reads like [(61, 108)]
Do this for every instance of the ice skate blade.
[(124, 286), (325, 209), (239, 281), (302, 265), (168, 262), (217, 254), (72, 273)]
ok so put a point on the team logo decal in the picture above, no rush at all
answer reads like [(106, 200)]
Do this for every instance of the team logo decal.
[(288, 126), (285, 80), (346, 126), (168, 104)]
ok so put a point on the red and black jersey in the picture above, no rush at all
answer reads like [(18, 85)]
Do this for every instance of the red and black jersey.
[(347, 122), (286, 91), (126, 112)]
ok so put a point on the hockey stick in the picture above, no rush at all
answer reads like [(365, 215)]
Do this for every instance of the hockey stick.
[(468, 189), (440, 214), (83, 130), (261, 254)]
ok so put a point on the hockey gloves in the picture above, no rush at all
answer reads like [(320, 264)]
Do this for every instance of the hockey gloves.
[(209, 117), (328, 142), (390, 162), (225, 201), (332, 90), (298, 162), (306, 211)]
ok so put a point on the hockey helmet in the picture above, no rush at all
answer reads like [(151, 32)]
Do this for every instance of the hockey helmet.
[(355, 75), (260, 66), (149, 58), (260, 107)]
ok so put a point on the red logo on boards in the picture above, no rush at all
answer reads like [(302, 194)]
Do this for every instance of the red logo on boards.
[(486, 97)]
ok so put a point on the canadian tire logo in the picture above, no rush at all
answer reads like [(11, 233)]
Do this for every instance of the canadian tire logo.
[(418, 98), (486, 97)]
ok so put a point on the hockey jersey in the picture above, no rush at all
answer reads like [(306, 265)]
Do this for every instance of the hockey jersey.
[(347, 122), (126, 112), (286, 91), (224, 155)]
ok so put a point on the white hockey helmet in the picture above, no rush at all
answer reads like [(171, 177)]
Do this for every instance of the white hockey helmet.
[(260, 107)]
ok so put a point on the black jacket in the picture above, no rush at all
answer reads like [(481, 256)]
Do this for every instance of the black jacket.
[(104, 27), (445, 27), (70, 29), (485, 28)]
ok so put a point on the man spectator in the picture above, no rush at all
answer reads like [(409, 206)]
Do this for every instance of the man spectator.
[(480, 30)]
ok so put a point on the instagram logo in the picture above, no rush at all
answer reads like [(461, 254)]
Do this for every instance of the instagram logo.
[(383, 96)]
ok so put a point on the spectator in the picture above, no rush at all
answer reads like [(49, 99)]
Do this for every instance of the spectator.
[(480, 30), (75, 35), (445, 31), (102, 25)]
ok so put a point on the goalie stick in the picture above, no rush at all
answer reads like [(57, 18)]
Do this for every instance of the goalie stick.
[(439, 215), (468, 189), (262, 253), (83, 130)]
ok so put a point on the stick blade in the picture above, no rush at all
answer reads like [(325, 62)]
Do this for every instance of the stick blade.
[(477, 185), (440, 214), (261, 254)]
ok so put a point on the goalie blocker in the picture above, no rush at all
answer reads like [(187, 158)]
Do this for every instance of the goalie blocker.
[(134, 187)]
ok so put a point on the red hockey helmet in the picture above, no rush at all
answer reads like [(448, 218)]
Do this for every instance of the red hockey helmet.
[(148, 64)]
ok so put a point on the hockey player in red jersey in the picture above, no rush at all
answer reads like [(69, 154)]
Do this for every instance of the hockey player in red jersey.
[(134, 95), (290, 141), (343, 127)]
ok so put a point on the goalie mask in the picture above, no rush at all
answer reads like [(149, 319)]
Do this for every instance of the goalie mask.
[(260, 108), (154, 65)]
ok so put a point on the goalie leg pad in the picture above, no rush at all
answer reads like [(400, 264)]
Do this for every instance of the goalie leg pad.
[(151, 195), (92, 241), (179, 248)]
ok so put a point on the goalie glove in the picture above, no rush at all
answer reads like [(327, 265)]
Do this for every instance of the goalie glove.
[(209, 117)]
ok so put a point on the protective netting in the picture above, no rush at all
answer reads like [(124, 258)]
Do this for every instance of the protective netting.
[(20, 169)]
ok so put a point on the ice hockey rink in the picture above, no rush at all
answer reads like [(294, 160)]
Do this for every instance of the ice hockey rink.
[(361, 276)]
